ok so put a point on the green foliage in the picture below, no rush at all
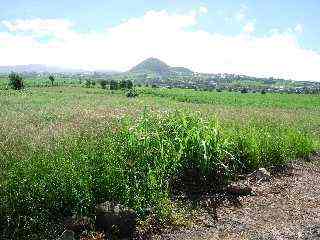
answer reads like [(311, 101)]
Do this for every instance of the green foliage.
[(235, 99), (132, 93), (103, 84), (51, 78), (126, 84), (64, 156), (114, 85), (88, 83), (15, 81), (132, 162), (244, 90)]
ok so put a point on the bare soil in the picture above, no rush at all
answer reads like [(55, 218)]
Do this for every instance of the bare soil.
[(286, 207)]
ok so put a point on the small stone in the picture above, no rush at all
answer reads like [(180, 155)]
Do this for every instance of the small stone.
[(261, 175), (67, 235), (115, 219), (239, 189)]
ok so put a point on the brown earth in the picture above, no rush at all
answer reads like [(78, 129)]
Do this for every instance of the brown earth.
[(286, 207)]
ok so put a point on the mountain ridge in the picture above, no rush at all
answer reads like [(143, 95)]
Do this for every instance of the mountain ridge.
[(158, 67), (38, 68)]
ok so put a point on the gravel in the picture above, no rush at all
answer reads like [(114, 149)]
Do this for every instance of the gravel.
[(286, 207)]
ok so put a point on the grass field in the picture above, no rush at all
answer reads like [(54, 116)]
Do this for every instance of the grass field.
[(65, 149), (41, 81)]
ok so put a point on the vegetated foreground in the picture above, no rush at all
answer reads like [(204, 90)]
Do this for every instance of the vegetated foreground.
[(66, 149)]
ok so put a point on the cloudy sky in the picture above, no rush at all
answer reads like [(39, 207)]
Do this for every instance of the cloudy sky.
[(259, 38)]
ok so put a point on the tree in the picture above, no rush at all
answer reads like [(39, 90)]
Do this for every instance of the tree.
[(114, 85), (244, 90), (103, 84), (126, 84), (123, 84), (132, 93), (15, 81), (51, 78), (87, 83), (129, 84)]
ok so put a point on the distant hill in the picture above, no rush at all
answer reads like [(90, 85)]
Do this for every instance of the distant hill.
[(37, 68), (159, 68), (181, 71)]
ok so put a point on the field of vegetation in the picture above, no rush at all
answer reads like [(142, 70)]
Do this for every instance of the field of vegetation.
[(65, 149), (40, 81)]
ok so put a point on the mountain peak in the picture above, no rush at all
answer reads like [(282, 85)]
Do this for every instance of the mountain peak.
[(155, 66), (151, 65)]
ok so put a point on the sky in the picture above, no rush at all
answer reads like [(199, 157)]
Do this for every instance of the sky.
[(257, 38)]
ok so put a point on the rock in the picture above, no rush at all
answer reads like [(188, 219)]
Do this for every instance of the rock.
[(261, 175), (239, 189), (78, 225), (67, 235), (115, 219)]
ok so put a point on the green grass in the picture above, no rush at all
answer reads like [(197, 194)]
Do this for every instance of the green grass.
[(41, 81), (236, 99), (65, 149)]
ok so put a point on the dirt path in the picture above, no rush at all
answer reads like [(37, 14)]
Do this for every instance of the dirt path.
[(287, 207)]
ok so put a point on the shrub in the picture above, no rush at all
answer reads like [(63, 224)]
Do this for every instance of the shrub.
[(129, 84), (126, 84), (15, 81), (132, 93), (51, 78), (244, 90), (103, 84), (88, 83), (114, 85)]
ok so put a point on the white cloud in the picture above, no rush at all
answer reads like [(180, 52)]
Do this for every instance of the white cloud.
[(249, 27), (170, 37), (298, 28), (203, 10), (41, 27)]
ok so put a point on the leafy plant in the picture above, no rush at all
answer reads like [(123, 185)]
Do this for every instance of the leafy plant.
[(132, 93), (103, 84), (51, 78), (88, 83), (114, 85), (15, 81)]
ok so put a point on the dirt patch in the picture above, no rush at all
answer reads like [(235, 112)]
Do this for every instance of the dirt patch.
[(286, 207)]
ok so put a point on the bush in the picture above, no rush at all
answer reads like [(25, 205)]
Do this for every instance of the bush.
[(15, 81), (129, 84), (132, 93), (126, 84), (51, 78), (114, 85), (103, 84), (88, 83), (244, 90)]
